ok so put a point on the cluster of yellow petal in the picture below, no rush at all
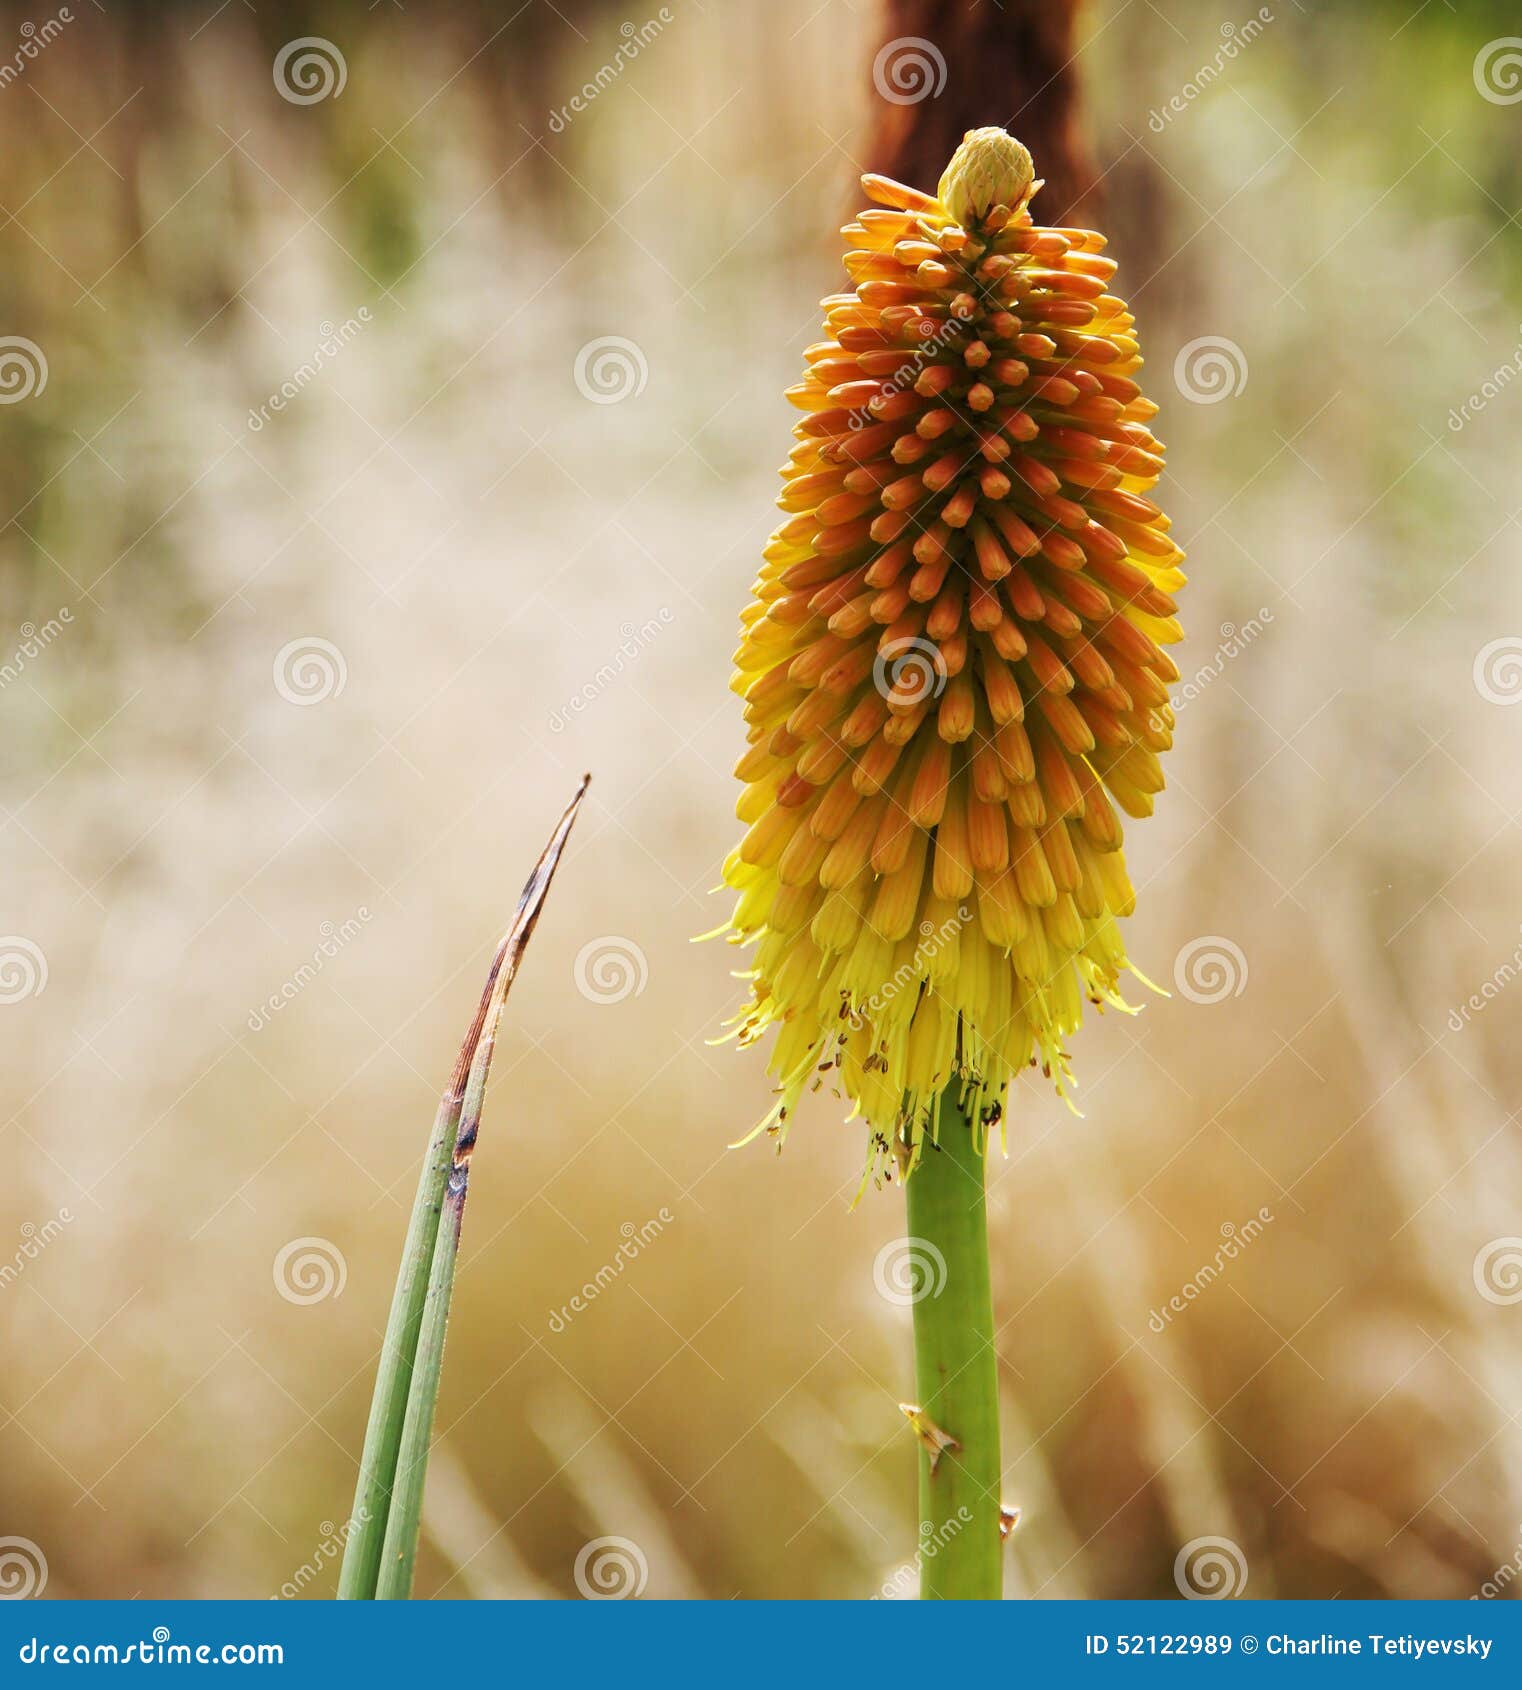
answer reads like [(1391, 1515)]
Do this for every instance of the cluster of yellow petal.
[(952, 665)]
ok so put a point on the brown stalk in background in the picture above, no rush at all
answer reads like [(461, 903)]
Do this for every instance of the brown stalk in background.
[(1014, 65)]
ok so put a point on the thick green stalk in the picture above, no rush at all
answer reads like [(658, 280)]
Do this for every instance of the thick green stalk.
[(955, 1365)]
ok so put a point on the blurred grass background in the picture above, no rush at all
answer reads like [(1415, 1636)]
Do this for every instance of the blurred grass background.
[(479, 540)]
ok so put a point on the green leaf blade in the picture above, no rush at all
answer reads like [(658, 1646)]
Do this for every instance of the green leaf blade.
[(382, 1544)]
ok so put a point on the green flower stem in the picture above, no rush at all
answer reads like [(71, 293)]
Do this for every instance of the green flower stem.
[(955, 1366)]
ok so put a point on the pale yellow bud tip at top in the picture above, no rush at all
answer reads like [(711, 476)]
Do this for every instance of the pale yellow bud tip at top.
[(989, 168)]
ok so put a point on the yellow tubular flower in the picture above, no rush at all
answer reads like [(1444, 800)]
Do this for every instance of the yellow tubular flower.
[(952, 667)]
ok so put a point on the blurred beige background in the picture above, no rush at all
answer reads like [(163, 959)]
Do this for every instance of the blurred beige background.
[(305, 687)]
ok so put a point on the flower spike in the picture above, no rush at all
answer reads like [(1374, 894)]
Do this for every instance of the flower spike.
[(953, 665)]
